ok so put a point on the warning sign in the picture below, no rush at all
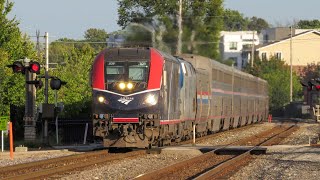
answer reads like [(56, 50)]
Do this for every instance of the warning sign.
[(4, 122)]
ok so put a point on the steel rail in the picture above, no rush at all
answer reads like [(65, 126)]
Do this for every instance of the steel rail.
[(209, 160), (216, 172), (49, 169), (209, 136), (14, 169)]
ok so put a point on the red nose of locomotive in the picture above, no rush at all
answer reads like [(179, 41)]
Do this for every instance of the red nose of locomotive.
[(126, 90)]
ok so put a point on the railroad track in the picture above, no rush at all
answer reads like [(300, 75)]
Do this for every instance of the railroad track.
[(61, 165), (213, 166), (214, 135)]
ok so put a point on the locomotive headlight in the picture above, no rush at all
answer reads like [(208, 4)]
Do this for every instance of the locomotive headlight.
[(129, 85), (101, 99), (122, 85), (151, 100)]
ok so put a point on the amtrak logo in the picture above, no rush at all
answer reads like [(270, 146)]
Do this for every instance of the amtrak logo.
[(125, 100)]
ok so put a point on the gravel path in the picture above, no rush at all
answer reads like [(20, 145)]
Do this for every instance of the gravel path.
[(25, 157)]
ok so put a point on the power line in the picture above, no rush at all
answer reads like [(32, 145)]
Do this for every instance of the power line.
[(81, 42)]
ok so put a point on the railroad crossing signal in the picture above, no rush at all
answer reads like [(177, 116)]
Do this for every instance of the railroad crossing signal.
[(31, 67), (56, 83), (37, 83), (311, 83), (18, 67), (34, 67)]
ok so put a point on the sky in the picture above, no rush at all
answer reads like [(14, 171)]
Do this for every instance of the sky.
[(71, 18)]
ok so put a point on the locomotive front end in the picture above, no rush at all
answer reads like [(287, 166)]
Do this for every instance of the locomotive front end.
[(126, 85)]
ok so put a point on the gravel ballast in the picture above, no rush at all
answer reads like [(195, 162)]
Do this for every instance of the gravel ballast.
[(30, 156), (294, 159), (291, 160), (128, 169)]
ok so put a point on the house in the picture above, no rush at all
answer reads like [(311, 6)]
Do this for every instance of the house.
[(305, 49), (270, 35), (233, 42)]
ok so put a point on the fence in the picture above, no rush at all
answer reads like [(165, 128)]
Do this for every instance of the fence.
[(71, 131)]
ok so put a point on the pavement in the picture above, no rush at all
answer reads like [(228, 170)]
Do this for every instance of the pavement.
[(81, 148)]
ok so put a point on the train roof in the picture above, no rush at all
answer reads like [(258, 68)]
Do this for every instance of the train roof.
[(199, 63)]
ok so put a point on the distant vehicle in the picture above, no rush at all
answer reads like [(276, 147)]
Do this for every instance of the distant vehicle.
[(143, 97)]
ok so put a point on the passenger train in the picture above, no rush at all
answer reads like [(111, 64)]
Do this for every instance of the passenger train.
[(143, 97)]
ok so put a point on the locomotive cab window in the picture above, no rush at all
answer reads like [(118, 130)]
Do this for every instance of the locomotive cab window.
[(138, 71), (126, 76), (115, 71)]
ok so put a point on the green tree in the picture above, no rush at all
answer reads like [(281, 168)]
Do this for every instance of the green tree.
[(61, 50), (311, 71), (13, 46), (257, 24), (277, 74), (201, 27), (234, 21), (97, 38), (74, 59), (308, 24), (96, 35)]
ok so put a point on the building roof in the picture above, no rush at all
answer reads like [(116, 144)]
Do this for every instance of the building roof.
[(259, 47)]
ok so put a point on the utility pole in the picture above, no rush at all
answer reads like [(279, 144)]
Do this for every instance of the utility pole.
[(38, 43), (252, 50), (291, 63), (46, 94), (179, 44), (46, 88), (29, 117)]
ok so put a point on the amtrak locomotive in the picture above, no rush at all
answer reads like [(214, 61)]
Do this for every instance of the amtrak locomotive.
[(143, 97)]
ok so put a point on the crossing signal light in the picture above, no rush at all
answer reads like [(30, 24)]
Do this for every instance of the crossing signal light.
[(308, 84), (17, 67), (56, 83), (317, 83), (34, 67), (314, 83), (37, 83), (304, 84)]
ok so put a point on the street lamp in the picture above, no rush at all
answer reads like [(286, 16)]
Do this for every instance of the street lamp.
[(291, 89)]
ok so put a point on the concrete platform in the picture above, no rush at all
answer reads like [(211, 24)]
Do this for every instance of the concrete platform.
[(81, 148), (303, 153), (21, 149), (198, 150)]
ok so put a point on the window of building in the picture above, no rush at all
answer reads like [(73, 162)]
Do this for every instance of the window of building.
[(233, 46), (266, 38), (278, 55), (264, 56)]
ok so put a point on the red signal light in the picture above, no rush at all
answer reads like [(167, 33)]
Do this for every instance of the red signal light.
[(318, 87), (17, 67), (34, 67)]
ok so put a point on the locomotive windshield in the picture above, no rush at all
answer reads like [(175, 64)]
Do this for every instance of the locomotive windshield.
[(138, 71), (135, 72)]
